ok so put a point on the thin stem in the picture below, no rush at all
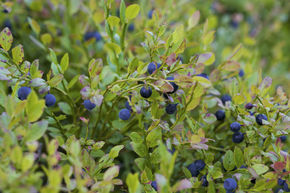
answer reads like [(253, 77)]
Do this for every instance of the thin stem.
[(216, 148), (123, 36)]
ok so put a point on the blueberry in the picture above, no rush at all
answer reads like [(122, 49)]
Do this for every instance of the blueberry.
[(152, 67), (253, 181), (234, 24), (243, 166), (285, 187), (238, 137), (128, 106), (199, 164), (283, 138), (281, 182), (193, 170), (260, 117), (204, 75), (204, 181), (249, 106), (124, 114), (93, 34), (49, 100), (175, 86), (131, 27), (154, 185), (150, 13), (172, 150), (230, 184), (89, 105), (171, 108), (146, 93), (7, 23), (235, 126), (226, 98), (220, 115), (140, 82), (241, 73), (23, 92)]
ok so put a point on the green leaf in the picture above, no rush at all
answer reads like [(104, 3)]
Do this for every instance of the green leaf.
[(6, 39), (136, 138), (122, 11), (113, 21), (64, 62), (132, 11), (46, 38), (239, 158), (208, 38), (74, 6), (65, 108), (73, 81), (133, 65), (34, 107), (34, 25), (27, 162), (55, 80), (154, 137), (193, 20), (260, 168), (133, 183), (206, 58), (36, 131), (113, 47), (228, 161), (111, 173), (211, 188), (18, 54), (52, 56), (140, 149), (115, 151)]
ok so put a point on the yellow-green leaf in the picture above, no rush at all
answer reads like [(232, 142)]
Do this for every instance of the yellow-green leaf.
[(132, 11), (113, 21), (18, 54), (34, 107), (6, 39), (193, 20), (208, 37), (46, 38), (34, 25), (64, 62)]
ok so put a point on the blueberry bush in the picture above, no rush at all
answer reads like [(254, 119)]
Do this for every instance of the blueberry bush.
[(131, 96)]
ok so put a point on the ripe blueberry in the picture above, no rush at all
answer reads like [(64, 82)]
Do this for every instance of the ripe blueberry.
[(226, 98), (131, 27), (175, 86), (172, 150), (146, 93), (152, 67), (241, 73), (199, 164), (128, 106), (154, 185), (220, 115), (260, 117), (49, 100), (230, 184), (235, 126), (281, 182), (93, 34), (150, 14), (124, 114), (243, 166), (204, 75), (204, 181), (283, 138), (171, 108), (193, 170), (249, 106), (238, 137), (23, 92), (89, 105), (285, 187)]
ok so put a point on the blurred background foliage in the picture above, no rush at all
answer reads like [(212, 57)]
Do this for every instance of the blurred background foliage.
[(261, 26)]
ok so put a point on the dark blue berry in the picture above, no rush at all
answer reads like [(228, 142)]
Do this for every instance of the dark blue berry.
[(260, 118), (243, 166), (193, 170), (89, 105), (171, 108), (172, 150), (220, 115), (285, 187), (150, 14), (128, 106), (238, 137), (199, 164), (49, 100), (175, 86), (204, 75), (235, 126), (234, 24), (152, 67), (241, 73), (93, 34), (230, 184), (226, 98), (124, 114), (146, 92), (249, 106), (131, 27), (154, 185), (23, 92), (283, 138), (281, 182), (7, 23), (204, 181)]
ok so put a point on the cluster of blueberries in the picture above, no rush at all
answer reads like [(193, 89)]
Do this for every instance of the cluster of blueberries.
[(24, 91), (282, 183)]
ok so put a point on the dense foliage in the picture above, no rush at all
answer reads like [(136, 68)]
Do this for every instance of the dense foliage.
[(124, 96)]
